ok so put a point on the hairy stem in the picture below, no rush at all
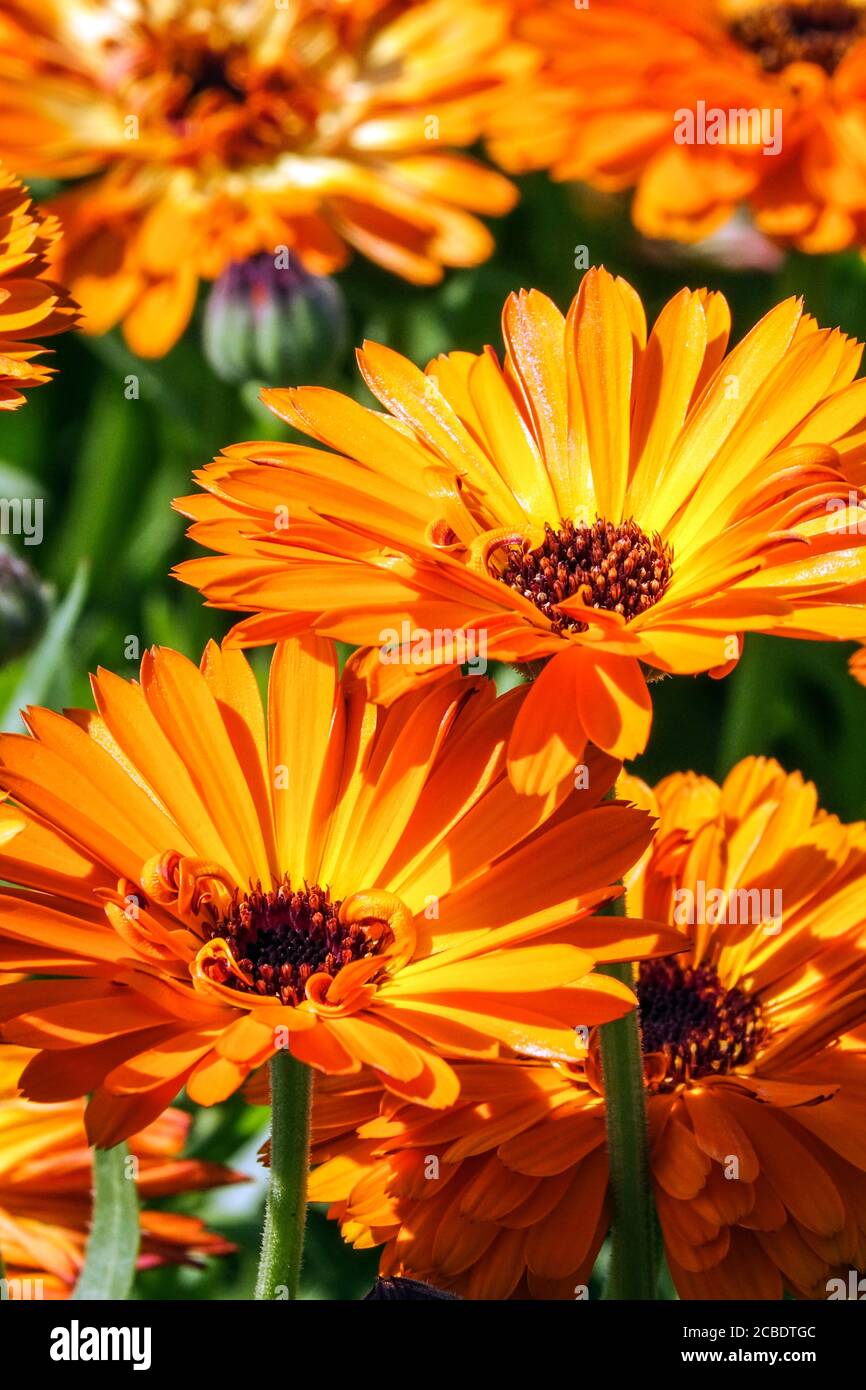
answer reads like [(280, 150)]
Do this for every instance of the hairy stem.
[(286, 1206), (633, 1265)]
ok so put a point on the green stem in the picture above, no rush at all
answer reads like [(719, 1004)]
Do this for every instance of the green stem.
[(744, 715), (286, 1206), (111, 1256), (632, 1265)]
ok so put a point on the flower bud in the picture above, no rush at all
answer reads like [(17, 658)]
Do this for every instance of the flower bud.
[(402, 1289), (23, 605), (276, 324)]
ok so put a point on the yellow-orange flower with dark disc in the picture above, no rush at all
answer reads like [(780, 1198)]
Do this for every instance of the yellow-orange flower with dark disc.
[(45, 1189), (202, 133), (701, 108), (604, 501), (205, 882), (31, 303), (755, 1061)]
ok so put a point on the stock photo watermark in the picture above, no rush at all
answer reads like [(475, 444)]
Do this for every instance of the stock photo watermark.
[(742, 125), (729, 907), (421, 646), (22, 516)]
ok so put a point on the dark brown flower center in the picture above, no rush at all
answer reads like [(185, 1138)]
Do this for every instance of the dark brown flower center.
[(281, 937), (817, 31), (702, 1028), (212, 97), (616, 567)]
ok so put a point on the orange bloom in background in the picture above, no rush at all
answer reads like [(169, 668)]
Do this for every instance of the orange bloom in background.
[(30, 303), (667, 99), (857, 665), (203, 133), (755, 1061), (45, 1189), (212, 881), (604, 501)]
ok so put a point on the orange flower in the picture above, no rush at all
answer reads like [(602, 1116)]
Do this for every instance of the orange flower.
[(701, 108), (45, 1189), (755, 1058), (605, 502), (857, 665), (204, 133), (29, 301), (360, 885)]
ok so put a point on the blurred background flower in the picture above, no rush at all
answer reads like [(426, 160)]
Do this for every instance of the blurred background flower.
[(200, 134), (45, 1189), (699, 109)]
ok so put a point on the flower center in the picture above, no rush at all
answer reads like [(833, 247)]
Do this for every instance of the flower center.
[(211, 97), (616, 567), (817, 31), (702, 1028), (282, 937), (202, 69)]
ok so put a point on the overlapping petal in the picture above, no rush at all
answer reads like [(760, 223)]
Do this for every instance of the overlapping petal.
[(726, 487), (46, 1181), (700, 111), (145, 835), (32, 304), (759, 1159)]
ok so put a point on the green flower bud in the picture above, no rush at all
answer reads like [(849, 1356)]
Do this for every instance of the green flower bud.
[(23, 605), (267, 323)]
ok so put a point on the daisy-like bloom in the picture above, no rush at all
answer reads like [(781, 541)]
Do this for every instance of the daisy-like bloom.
[(205, 883), (755, 1061), (31, 303), (45, 1189), (606, 502), (701, 108), (203, 133)]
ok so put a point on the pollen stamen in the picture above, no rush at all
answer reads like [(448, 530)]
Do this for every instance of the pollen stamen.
[(280, 938), (615, 567), (702, 1028), (816, 31)]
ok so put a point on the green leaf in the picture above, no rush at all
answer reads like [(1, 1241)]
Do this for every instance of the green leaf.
[(112, 1248), (101, 508)]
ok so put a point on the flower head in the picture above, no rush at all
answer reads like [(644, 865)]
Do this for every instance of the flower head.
[(605, 502), (755, 1063), (701, 109), (204, 133), (31, 304), (206, 882), (46, 1181)]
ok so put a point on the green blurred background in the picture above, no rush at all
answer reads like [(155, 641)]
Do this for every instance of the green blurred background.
[(107, 467)]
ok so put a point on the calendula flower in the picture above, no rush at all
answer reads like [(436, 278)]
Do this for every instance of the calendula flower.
[(205, 883), (604, 503), (46, 1180), (755, 1063), (31, 304), (201, 134), (700, 109), (857, 665)]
